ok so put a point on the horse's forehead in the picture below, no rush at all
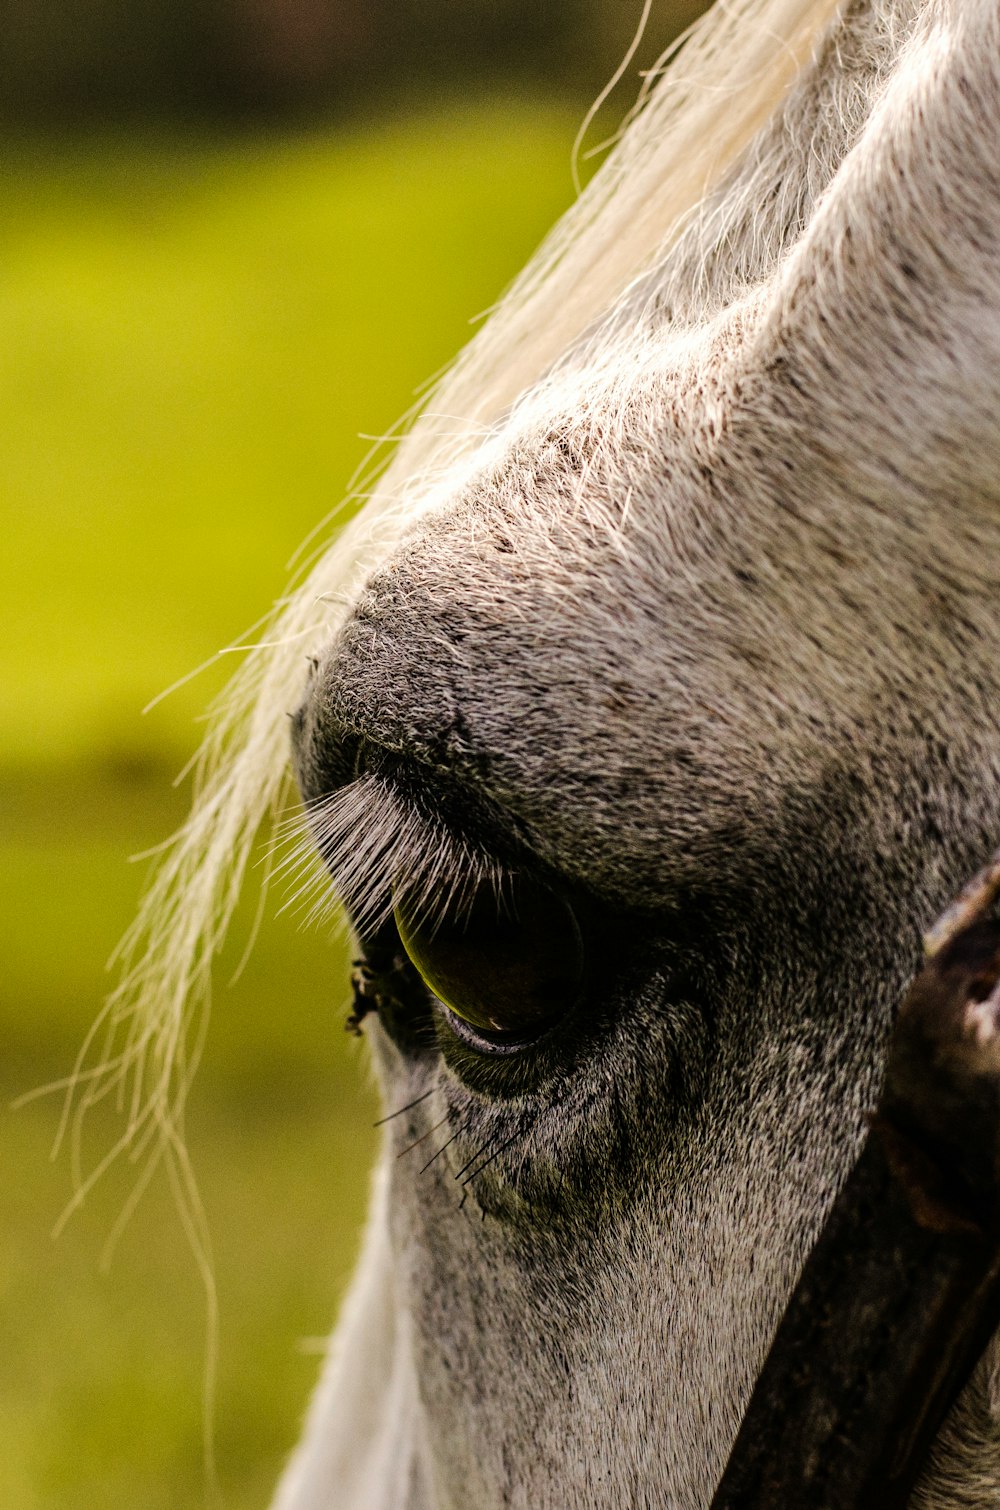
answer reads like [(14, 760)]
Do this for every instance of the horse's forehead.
[(695, 565), (599, 642)]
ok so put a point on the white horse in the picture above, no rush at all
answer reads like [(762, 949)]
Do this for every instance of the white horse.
[(655, 711)]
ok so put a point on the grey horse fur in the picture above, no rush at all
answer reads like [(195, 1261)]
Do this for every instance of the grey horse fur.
[(712, 634)]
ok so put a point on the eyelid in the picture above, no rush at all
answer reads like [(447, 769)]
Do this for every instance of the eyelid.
[(374, 838)]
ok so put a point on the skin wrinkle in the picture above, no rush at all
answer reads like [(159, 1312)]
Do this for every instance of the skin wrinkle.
[(712, 625)]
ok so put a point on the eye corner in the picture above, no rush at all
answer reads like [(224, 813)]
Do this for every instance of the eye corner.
[(386, 985)]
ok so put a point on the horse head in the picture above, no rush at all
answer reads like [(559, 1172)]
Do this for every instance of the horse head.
[(665, 721)]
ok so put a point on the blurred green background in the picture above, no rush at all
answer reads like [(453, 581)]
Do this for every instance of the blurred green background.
[(232, 238)]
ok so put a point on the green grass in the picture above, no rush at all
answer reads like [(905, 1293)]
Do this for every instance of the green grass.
[(191, 336)]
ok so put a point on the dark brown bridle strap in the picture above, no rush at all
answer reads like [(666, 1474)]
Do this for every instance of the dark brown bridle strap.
[(901, 1293)]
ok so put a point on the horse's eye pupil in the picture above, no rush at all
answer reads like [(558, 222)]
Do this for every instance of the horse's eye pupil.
[(509, 965)]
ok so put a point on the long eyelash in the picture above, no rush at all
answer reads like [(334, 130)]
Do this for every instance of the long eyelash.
[(375, 850)]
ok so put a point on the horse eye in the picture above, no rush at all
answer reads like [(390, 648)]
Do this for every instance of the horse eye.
[(509, 965)]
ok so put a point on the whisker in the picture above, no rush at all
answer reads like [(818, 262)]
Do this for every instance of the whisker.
[(483, 1148), (494, 1155), (408, 1107), (423, 1137), (441, 1150)]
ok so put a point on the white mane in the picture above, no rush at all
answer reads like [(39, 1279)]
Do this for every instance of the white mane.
[(702, 104)]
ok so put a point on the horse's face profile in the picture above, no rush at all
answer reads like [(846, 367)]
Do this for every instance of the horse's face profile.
[(640, 762), (696, 671)]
